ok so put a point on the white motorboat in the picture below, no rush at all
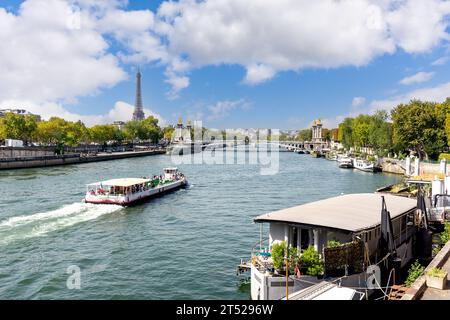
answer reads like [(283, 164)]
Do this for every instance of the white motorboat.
[(364, 165), (345, 162)]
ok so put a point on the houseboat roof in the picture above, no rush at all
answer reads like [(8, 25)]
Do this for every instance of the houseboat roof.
[(126, 182), (351, 213)]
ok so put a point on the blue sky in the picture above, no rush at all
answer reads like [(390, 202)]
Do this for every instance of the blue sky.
[(221, 91)]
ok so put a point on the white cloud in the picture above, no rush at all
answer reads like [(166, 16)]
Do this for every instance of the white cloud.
[(54, 51), (177, 83), (440, 62), (358, 101), (258, 73), (333, 122), (417, 78), (222, 109), (268, 37), (44, 58), (419, 25), (59, 50), (436, 94)]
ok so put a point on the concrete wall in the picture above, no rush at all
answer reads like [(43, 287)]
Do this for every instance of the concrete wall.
[(7, 153), (276, 233), (429, 168), (419, 286), (47, 161)]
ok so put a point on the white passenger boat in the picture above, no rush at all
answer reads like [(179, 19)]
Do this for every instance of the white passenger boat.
[(345, 162), (129, 191), (364, 165)]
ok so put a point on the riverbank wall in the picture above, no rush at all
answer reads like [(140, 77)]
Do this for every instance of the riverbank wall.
[(69, 159), (420, 285), (396, 166), (393, 166)]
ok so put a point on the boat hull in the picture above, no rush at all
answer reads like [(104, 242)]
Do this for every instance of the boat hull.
[(369, 168), (134, 199)]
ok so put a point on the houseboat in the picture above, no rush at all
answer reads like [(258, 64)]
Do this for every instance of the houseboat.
[(364, 165), (352, 234), (345, 162), (129, 191)]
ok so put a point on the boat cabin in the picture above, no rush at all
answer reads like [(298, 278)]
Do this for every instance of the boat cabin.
[(119, 187), (170, 174)]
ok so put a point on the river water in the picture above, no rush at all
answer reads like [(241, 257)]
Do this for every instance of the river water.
[(185, 245)]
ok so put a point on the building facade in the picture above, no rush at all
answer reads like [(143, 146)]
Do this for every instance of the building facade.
[(317, 131), (21, 112)]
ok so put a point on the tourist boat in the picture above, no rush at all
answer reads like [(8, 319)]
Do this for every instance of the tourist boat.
[(345, 162), (366, 236), (364, 165), (129, 191), (300, 151)]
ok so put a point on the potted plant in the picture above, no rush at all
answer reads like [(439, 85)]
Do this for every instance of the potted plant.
[(436, 278), (279, 257)]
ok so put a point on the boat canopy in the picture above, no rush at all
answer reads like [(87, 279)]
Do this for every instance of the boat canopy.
[(127, 182), (350, 213)]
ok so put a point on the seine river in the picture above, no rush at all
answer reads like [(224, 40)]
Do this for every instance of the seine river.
[(185, 245)]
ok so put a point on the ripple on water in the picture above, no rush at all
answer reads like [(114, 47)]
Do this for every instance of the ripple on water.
[(185, 245)]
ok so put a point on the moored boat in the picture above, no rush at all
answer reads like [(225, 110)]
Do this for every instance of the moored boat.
[(129, 191), (364, 165), (351, 236), (345, 163)]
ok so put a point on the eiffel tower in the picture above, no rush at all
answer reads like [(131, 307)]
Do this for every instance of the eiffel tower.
[(138, 114)]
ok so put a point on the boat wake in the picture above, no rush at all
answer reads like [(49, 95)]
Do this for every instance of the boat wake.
[(40, 224)]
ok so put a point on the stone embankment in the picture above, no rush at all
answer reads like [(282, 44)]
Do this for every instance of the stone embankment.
[(43, 159), (409, 167)]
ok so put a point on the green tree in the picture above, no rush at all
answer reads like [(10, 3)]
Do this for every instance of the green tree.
[(151, 130), (346, 133), (168, 132), (75, 133), (360, 130), (134, 130), (103, 133), (16, 126), (304, 135), (2, 130), (326, 134), (420, 126), (380, 132), (58, 131)]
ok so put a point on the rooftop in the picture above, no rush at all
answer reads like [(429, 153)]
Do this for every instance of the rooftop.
[(352, 212), (126, 182)]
